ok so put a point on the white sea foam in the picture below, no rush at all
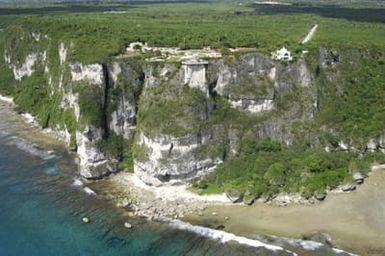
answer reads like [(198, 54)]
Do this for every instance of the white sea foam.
[(77, 183), (313, 245), (220, 235), (343, 252), (89, 191), (50, 155), (27, 147), (310, 245), (28, 118)]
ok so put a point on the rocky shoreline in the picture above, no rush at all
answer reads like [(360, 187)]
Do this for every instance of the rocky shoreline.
[(176, 201), (139, 199)]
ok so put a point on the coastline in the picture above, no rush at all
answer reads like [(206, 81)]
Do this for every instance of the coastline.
[(353, 220), (177, 202), (129, 192), (29, 119)]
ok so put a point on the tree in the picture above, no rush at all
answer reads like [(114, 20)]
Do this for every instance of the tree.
[(275, 174)]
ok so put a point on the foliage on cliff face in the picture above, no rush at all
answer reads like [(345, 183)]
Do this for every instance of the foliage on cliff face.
[(353, 103), (350, 94), (172, 110)]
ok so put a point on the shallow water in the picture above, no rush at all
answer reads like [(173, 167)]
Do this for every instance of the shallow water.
[(42, 208), (43, 202)]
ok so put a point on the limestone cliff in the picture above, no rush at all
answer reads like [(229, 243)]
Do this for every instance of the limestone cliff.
[(174, 121)]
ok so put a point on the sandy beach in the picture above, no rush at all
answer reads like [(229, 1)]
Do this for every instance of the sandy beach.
[(354, 220)]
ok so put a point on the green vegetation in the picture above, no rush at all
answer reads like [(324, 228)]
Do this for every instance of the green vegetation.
[(96, 35), (266, 168), (90, 104), (172, 110), (354, 105), (140, 153), (350, 102)]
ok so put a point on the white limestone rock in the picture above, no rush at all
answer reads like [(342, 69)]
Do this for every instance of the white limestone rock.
[(92, 73), (62, 53), (171, 160), (25, 69), (372, 145), (343, 146), (252, 105), (93, 163), (123, 118), (70, 100), (194, 74)]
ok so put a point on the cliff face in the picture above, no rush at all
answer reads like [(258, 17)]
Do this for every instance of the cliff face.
[(173, 122)]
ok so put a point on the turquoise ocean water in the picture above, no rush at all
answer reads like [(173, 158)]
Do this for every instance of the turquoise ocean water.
[(41, 212)]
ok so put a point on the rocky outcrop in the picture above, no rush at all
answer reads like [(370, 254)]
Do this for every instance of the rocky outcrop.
[(88, 137), (166, 159), (253, 106), (93, 163), (253, 82), (126, 83), (194, 74), (247, 83), (92, 73), (62, 53), (328, 57), (234, 195)]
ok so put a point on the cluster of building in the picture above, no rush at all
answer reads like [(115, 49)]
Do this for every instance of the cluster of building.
[(167, 53), (173, 52)]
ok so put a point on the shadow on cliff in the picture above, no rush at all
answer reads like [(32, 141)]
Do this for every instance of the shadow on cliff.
[(328, 11)]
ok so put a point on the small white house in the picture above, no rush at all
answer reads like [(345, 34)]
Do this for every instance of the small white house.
[(282, 54)]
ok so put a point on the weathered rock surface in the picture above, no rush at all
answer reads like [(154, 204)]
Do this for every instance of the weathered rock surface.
[(92, 73), (249, 198), (168, 159), (320, 196), (93, 163), (358, 177), (234, 195), (348, 187), (127, 225), (253, 85), (127, 83)]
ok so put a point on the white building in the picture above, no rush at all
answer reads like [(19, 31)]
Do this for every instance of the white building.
[(282, 54)]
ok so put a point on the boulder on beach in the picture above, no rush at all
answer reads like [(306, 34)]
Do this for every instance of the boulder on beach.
[(234, 195), (348, 187), (320, 196), (249, 197), (358, 177), (127, 225)]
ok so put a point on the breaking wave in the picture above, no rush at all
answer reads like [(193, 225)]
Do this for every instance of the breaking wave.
[(220, 235), (32, 149)]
